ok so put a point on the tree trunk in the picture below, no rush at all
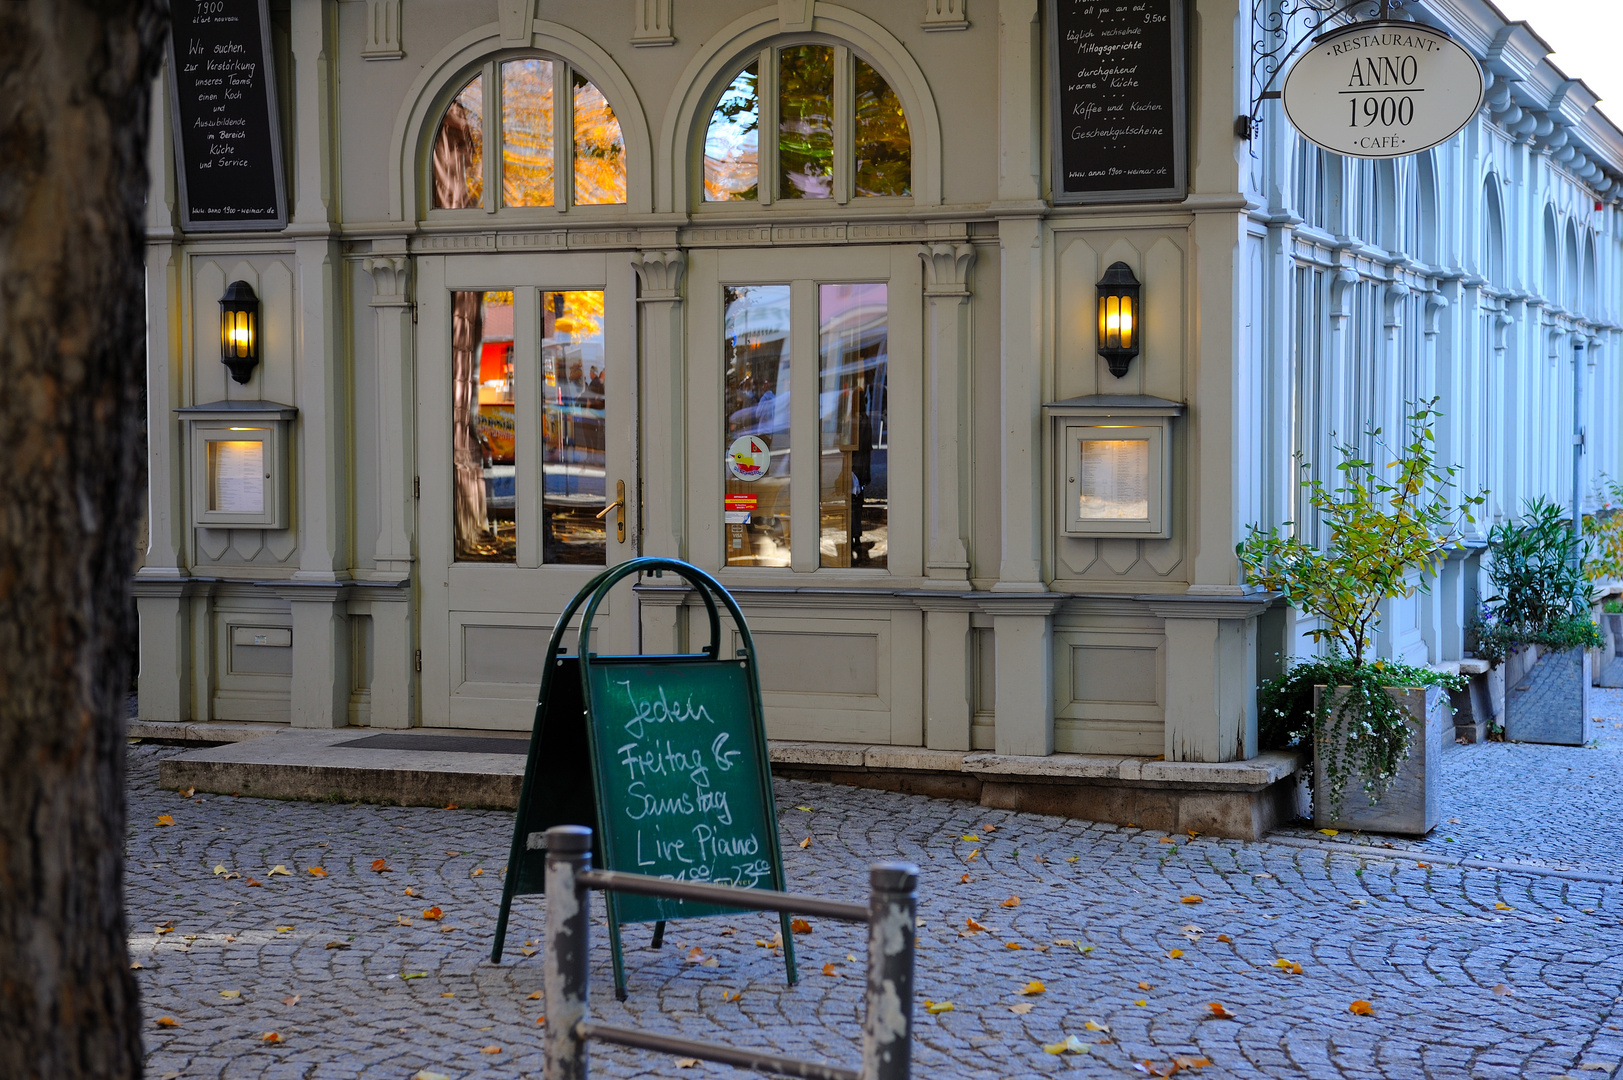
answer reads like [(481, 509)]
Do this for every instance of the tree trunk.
[(75, 81)]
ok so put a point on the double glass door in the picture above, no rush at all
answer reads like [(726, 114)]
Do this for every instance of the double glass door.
[(527, 447)]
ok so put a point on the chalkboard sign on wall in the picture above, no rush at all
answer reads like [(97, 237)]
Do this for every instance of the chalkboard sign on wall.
[(228, 144), (1116, 95)]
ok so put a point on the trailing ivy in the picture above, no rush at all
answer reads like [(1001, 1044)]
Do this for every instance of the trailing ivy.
[(1362, 732)]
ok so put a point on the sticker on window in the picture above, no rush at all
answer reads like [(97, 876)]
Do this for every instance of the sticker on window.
[(749, 458), (738, 509)]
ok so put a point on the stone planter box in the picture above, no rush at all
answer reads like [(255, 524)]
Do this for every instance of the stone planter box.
[(1610, 673), (1412, 805), (1550, 703)]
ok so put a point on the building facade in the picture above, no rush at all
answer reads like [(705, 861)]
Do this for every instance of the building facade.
[(562, 285)]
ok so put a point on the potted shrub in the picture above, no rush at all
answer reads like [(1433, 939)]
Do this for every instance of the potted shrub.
[(1605, 567), (1375, 728), (1543, 600)]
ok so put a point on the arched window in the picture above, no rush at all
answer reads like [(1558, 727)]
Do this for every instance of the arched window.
[(1420, 214), (1493, 233), (1571, 284), (817, 148), (549, 155), (1551, 282)]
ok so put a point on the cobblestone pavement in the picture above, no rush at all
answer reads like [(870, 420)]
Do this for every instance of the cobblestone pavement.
[(1481, 973)]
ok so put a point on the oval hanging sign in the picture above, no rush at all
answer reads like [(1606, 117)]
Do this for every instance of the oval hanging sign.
[(1383, 89)]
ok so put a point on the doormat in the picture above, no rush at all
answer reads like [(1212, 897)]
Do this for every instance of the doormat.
[(441, 744)]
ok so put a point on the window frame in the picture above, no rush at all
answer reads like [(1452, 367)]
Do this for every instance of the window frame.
[(843, 194), (563, 149)]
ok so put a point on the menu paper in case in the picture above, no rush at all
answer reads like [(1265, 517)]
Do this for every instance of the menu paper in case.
[(1117, 98), (237, 477), (1114, 479)]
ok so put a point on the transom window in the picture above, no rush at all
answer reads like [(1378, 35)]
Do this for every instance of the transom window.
[(549, 156), (840, 130)]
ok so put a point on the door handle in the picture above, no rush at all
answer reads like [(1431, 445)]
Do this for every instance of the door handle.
[(620, 518)]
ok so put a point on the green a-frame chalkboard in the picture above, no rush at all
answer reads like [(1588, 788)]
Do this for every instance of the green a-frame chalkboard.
[(664, 757)]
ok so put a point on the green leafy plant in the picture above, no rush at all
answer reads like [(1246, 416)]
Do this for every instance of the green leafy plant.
[(1540, 569), (1604, 561), (1388, 528)]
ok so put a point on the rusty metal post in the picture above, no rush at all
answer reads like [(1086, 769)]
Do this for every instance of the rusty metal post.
[(569, 853), (887, 1028)]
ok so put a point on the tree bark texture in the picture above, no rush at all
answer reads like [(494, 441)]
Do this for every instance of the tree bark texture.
[(75, 82)]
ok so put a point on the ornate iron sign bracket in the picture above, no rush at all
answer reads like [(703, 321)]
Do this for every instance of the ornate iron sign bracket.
[(1273, 47)]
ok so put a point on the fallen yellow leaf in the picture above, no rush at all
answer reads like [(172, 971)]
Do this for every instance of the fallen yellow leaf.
[(451, 806), (270, 1037), (1288, 965), (1073, 858), (1033, 987), (805, 808), (1022, 1008), (973, 855), (1013, 901), (316, 871), (1175, 953), (231, 993), (830, 969), (433, 914), (414, 975), (806, 843), (1224, 938), (1502, 906), (252, 884), (412, 892), (402, 920), (800, 926), (1093, 1026), (1219, 1011), (1361, 1008), (1331, 832), (477, 871), (1185, 1061), (490, 1049), (1422, 866), (167, 1021), (970, 838), (1013, 945), (936, 1008), (279, 869), (283, 929), (731, 996), (424, 1074), (1069, 1044), (686, 1063), (170, 929), (1166, 840), (290, 1001), (1193, 899), (165, 819), (988, 828), (1146, 986), (535, 996), (974, 927), (380, 867), (219, 868), (1141, 1001), (965, 880)]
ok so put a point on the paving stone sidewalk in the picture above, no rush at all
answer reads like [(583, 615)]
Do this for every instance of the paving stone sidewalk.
[(1471, 972)]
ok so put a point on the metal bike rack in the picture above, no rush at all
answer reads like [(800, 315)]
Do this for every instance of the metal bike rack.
[(890, 915)]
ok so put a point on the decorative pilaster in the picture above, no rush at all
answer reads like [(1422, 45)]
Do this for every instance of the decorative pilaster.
[(382, 31), (659, 305), (390, 268), (651, 23), (946, 15), (946, 373)]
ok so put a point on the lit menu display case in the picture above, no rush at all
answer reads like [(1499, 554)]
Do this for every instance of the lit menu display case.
[(239, 463), (1112, 465)]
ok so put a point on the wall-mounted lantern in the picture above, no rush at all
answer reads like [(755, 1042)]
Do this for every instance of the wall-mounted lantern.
[(239, 330), (1119, 317)]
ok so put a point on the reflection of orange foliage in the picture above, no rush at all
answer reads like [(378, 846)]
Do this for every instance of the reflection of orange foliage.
[(527, 133), (600, 152), (583, 311)]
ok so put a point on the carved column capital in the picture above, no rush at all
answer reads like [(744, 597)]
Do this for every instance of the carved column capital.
[(660, 274), (946, 268), (391, 280)]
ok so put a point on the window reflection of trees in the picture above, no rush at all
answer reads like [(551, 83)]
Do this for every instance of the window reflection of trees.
[(805, 82), (527, 127), (853, 410)]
